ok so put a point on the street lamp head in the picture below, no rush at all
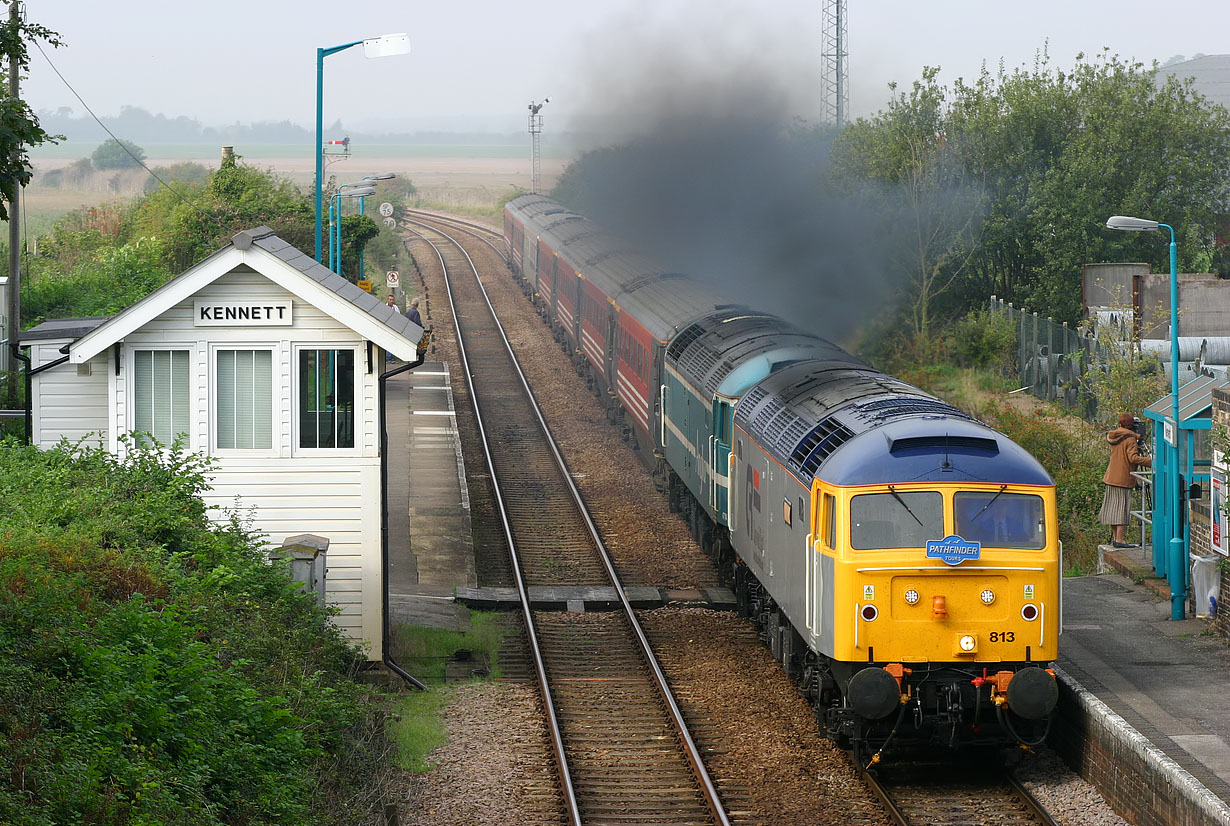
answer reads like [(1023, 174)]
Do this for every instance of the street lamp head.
[(387, 45), (381, 176), (361, 192), (1128, 224)]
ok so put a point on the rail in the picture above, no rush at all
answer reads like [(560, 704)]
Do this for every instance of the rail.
[(692, 751)]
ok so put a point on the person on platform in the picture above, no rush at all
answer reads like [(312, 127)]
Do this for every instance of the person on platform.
[(390, 301), (413, 312), (1125, 456)]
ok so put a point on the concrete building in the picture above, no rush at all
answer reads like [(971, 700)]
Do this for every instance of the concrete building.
[(266, 361)]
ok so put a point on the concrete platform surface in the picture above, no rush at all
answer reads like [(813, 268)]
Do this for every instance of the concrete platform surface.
[(1167, 679)]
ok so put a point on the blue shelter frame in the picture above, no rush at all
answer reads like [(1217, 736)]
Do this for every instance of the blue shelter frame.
[(1179, 462)]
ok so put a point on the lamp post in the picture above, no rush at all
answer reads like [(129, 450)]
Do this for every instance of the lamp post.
[(1175, 564), (380, 176), (335, 220), (386, 45)]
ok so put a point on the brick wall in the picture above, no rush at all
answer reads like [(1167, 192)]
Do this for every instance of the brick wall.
[(1141, 783)]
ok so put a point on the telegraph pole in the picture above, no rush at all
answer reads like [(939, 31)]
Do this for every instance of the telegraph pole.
[(14, 285)]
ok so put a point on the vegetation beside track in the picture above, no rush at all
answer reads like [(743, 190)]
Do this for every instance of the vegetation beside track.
[(154, 668)]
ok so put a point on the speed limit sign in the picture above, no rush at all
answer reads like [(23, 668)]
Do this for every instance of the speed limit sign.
[(386, 209), (390, 223), (392, 279)]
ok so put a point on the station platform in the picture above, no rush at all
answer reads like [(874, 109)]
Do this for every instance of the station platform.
[(431, 547), (1165, 679)]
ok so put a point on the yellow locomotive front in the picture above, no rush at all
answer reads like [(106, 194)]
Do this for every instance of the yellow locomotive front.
[(945, 608)]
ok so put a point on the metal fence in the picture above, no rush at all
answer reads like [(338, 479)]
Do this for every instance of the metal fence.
[(1052, 358)]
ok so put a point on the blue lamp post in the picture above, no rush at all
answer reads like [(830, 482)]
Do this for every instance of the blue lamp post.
[(384, 46), (381, 176), (335, 220), (1175, 564)]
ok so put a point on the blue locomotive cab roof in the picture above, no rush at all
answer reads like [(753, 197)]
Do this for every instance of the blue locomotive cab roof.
[(759, 366), (932, 449)]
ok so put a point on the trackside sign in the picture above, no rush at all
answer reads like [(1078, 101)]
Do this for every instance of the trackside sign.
[(241, 313)]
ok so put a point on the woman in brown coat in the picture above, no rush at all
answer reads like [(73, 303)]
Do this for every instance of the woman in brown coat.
[(1124, 458)]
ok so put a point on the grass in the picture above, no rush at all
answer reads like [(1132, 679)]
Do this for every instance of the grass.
[(418, 727), (423, 651)]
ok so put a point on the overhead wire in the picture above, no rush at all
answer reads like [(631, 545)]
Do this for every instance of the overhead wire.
[(123, 145)]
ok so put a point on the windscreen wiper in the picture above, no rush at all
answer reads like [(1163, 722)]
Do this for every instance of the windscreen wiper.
[(1002, 488), (897, 496)]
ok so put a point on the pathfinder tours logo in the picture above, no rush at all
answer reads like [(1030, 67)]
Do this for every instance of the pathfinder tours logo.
[(953, 549)]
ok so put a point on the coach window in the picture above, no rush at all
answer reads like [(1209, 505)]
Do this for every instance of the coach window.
[(786, 512)]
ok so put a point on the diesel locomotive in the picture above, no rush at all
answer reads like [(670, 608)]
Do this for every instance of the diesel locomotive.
[(900, 558)]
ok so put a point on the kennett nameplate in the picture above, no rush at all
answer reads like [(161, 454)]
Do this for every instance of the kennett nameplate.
[(241, 313)]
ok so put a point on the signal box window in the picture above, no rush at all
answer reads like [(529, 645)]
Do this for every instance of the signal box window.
[(326, 398), (244, 403), (896, 520), (1001, 520), (160, 394)]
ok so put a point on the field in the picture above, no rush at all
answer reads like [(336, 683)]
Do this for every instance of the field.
[(469, 176)]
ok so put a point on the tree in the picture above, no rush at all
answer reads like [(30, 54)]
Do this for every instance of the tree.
[(931, 213), (19, 127), (1053, 154), (116, 153)]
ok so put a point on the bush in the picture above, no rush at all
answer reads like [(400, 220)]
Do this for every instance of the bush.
[(154, 668), (109, 280), (1075, 456), (117, 154), (983, 339)]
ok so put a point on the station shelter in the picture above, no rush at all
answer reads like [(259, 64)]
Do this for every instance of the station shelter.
[(269, 363), (1182, 460)]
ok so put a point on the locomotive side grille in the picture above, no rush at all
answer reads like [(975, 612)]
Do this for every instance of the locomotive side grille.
[(715, 379), (824, 438), (749, 401), (882, 410), (767, 413), (698, 359), (776, 429), (681, 342)]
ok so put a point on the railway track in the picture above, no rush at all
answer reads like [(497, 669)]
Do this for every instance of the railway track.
[(941, 792), (622, 749)]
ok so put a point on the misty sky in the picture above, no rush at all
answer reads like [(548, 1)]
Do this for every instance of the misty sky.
[(476, 65)]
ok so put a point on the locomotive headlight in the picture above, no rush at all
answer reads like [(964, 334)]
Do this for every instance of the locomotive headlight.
[(967, 642), (911, 597), (988, 596)]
